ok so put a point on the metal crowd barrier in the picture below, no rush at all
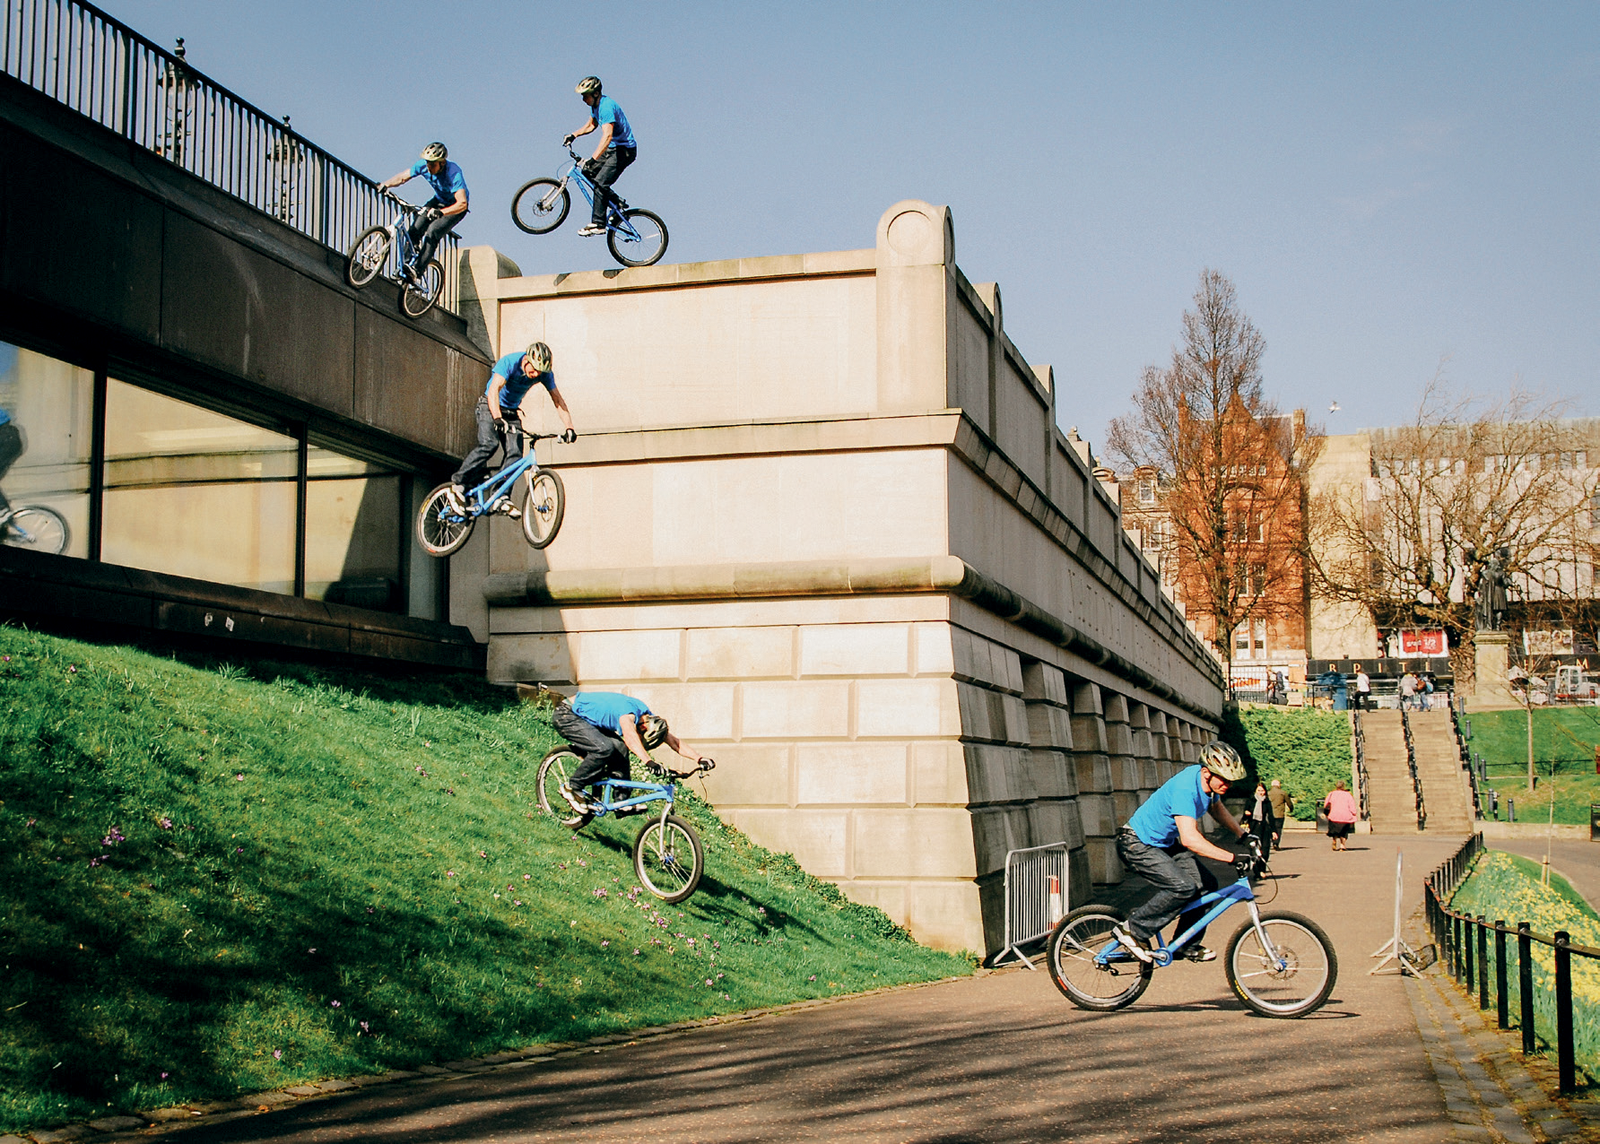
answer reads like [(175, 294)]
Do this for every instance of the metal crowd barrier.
[(86, 60), (1463, 942), (1036, 896)]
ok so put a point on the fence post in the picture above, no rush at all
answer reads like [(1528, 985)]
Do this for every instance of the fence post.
[(1525, 983), (1483, 963), (1502, 1013), (1564, 1058), (1466, 934)]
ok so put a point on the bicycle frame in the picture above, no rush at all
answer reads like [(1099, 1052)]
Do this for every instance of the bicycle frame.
[(500, 484), (616, 205), (652, 793), (1225, 899)]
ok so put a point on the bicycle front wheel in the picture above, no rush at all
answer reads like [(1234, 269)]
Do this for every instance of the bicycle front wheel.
[(668, 858), (1115, 981), (647, 249), (418, 300), (543, 507), (556, 768), (540, 206), (368, 256), (39, 528), (440, 529), (1291, 979)]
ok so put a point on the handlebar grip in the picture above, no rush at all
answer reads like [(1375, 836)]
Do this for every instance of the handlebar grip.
[(707, 764)]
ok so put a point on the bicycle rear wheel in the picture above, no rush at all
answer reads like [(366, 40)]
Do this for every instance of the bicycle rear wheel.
[(418, 300), (36, 527), (440, 529), (540, 206), (1115, 981), (543, 507), (1295, 979), (647, 249), (368, 256), (669, 859), (554, 770)]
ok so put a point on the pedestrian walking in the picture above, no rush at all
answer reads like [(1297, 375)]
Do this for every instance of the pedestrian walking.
[(1363, 689), (1282, 807), (1340, 807), (1258, 816)]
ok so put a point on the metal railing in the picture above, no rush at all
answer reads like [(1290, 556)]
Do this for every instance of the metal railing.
[(1463, 941), (1360, 737), (1411, 764), (1479, 810), (93, 64), (1036, 896)]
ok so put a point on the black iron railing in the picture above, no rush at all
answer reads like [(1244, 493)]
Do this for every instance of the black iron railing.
[(1360, 737), (1463, 942), (86, 60), (1411, 764)]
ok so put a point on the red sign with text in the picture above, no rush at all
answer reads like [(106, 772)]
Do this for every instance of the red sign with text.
[(1423, 643)]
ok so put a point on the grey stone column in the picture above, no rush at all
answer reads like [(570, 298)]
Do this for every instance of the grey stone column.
[(1124, 767), (1054, 815), (1096, 807)]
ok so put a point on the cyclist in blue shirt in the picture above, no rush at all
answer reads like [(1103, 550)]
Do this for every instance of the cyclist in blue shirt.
[(440, 214), (603, 726), (612, 155), (1161, 841), (11, 448), (499, 417)]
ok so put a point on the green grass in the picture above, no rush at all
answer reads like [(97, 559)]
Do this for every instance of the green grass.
[(1564, 740), (1307, 750), (1506, 887), (223, 880)]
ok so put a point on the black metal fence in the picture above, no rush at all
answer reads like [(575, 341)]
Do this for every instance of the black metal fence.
[(86, 60), (1463, 942)]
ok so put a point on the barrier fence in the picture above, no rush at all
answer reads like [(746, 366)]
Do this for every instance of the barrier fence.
[(1463, 942), (93, 64), (1036, 896)]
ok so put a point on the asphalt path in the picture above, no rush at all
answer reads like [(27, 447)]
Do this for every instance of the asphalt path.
[(1575, 859), (1002, 1057)]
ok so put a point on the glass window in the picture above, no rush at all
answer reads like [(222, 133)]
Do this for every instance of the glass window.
[(353, 531), (46, 414), (196, 493)]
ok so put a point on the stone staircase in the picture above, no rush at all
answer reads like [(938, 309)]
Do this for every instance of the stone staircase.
[(1445, 787), (1391, 798)]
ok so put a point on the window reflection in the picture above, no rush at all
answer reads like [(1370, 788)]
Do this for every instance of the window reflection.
[(195, 493), (46, 410), (353, 531)]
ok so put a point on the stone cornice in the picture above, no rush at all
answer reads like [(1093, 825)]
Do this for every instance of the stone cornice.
[(818, 578)]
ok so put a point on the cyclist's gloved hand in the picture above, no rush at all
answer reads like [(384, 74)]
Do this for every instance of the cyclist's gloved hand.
[(501, 424), (705, 763), (1245, 864), (590, 167), (566, 140), (569, 436), (431, 213)]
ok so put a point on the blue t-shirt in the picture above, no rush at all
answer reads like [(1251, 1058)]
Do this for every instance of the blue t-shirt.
[(445, 184), (517, 382), (1184, 793), (605, 709), (607, 111)]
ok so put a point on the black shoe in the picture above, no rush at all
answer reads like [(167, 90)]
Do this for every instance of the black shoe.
[(1197, 952), (1136, 946)]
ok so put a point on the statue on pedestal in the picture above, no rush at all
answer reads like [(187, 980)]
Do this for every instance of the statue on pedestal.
[(1490, 606)]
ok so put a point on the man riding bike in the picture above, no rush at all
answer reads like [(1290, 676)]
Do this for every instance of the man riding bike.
[(499, 413), (1161, 842), (438, 216), (603, 726), (612, 155)]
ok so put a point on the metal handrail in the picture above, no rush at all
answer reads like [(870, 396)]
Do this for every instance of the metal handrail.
[(1411, 763), (1466, 762), (1460, 936), (95, 65), (1361, 767)]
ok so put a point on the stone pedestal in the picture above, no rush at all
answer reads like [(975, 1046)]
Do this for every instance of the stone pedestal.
[(1493, 690)]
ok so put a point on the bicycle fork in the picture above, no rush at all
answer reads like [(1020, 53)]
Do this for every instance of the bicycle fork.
[(1267, 949)]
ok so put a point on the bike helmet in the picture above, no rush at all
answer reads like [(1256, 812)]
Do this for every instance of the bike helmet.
[(652, 730), (434, 152), (588, 85), (539, 354), (1222, 761)]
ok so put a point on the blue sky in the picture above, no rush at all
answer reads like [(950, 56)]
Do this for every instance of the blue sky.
[(1388, 185)]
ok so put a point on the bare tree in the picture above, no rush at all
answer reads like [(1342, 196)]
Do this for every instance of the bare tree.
[(1467, 489), (1230, 467)]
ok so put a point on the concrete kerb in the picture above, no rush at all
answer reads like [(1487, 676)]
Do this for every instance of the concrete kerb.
[(159, 1121)]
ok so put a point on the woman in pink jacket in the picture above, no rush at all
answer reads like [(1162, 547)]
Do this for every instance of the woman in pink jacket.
[(1340, 807)]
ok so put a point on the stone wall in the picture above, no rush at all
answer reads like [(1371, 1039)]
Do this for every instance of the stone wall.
[(821, 517)]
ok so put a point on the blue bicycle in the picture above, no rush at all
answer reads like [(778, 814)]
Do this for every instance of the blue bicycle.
[(420, 287), (443, 526), (636, 237), (667, 855), (1280, 964)]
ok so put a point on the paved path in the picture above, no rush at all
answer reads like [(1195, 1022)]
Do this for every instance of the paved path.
[(1004, 1058)]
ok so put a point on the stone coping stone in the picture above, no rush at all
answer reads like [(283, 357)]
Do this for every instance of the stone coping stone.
[(210, 1107), (162, 1115), (60, 1135), (425, 1070), (609, 1039), (116, 1123), (334, 1086), (270, 1099), (302, 1090)]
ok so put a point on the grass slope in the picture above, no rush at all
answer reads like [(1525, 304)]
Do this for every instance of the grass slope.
[(1307, 750), (1506, 887), (1564, 740), (216, 881)]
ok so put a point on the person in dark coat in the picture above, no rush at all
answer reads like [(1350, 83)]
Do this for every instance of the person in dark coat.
[(1258, 816)]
